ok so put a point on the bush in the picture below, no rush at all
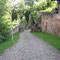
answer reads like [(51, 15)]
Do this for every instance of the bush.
[(4, 32), (51, 7), (2, 38)]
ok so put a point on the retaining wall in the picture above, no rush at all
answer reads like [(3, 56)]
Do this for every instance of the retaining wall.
[(50, 23)]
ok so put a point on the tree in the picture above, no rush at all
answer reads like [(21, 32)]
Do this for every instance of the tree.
[(31, 7), (29, 2), (3, 24), (14, 14)]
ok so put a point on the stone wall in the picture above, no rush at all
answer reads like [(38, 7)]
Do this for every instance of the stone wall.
[(50, 23)]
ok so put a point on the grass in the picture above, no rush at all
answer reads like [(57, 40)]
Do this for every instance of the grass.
[(51, 39), (9, 42)]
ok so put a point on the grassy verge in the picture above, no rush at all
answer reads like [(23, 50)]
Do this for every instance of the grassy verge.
[(51, 39), (9, 42)]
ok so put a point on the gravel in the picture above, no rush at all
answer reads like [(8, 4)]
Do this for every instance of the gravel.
[(30, 47)]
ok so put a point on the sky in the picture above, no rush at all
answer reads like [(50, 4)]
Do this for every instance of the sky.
[(15, 1)]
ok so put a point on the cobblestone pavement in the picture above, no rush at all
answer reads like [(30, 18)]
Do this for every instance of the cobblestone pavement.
[(30, 48)]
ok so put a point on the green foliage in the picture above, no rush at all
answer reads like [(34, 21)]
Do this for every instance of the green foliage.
[(34, 14), (51, 7), (31, 7), (2, 38), (14, 14), (3, 23), (23, 10), (52, 4), (14, 23), (40, 5), (48, 10)]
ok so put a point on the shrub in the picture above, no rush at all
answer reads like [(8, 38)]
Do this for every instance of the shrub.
[(4, 32)]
